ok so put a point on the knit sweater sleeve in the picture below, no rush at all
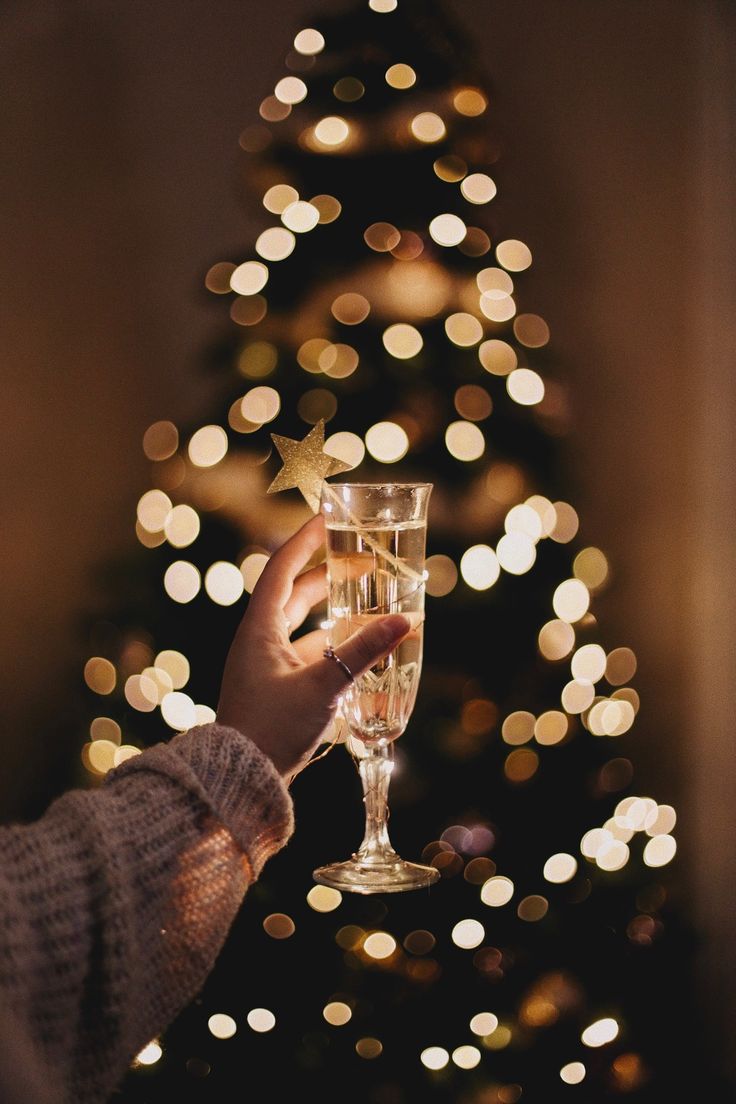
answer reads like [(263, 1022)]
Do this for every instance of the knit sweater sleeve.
[(115, 904)]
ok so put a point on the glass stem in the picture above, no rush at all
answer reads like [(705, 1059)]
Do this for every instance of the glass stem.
[(375, 766)]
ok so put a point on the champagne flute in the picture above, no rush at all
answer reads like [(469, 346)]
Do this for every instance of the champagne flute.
[(376, 536)]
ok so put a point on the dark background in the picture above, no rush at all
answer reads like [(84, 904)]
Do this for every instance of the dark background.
[(119, 131)]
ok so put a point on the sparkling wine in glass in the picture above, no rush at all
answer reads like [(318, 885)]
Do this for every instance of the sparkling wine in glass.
[(376, 537)]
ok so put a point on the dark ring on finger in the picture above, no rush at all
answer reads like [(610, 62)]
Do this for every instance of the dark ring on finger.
[(330, 653)]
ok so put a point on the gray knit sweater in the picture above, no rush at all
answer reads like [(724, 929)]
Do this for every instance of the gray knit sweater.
[(115, 904)]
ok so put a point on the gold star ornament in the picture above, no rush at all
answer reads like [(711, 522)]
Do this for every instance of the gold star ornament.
[(306, 464)]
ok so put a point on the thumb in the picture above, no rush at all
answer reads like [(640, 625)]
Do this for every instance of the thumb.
[(364, 648)]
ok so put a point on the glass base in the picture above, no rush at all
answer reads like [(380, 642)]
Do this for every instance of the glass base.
[(395, 876)]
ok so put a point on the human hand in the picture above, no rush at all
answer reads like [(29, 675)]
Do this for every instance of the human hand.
[(283, 693)]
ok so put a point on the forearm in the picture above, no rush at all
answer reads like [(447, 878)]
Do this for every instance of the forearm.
[(117, 902)]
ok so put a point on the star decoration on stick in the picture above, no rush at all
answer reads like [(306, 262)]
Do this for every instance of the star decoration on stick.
[(306, 464)]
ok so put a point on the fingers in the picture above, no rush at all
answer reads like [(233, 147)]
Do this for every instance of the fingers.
[(309, 589), (361, 650), (274, 587)]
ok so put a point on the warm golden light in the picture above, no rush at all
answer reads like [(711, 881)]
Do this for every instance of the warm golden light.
[(323, 899), (182, 581), (577, 695), (260, 405), (620, 666), (224, 583), (309, 353), (497, 357), (249, 278), (513, 255), (273, 110), (301, 217), (339, 360), (560, 868), (182, 526), (401, 76), (379, 945), (556, 639), (566, 523), (524, 519), (337, 1013), (309, 41), (658, 821), (328, 207), (447, 229), (469, 101), (473, 402), (279, 197), (275, 244), (450, 168), (479, 567), (441, 575), (571, 600), (521, 765), (531, 330), (99, 674), (468, 934), (382, 237), (290, 90), (478, 188), (518, 727), (105, 728), (428, 127), (179, 711), (591, 567), (516, 553), (601, 1032), (589, 662), (248, 310), (402, 340), (612, 855), (175, 665), (207, 446), (345, 446), (369, 1047), (279, 926), (463, 329), (149, 1055), (483, 1023), (141, 693), (261, 1020), (497, 305), (551, 727), (387, 442), (333, 130), (573, 1073), (660, 850), (222, 1026), (497, 891), (466, 1056), (435, 1057), (152, 510), (383, 6), (525, 386), (160, 440), (464, 441), (350, 308)]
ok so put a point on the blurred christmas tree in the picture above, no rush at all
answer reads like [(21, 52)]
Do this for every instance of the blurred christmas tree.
[(383, 297)]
